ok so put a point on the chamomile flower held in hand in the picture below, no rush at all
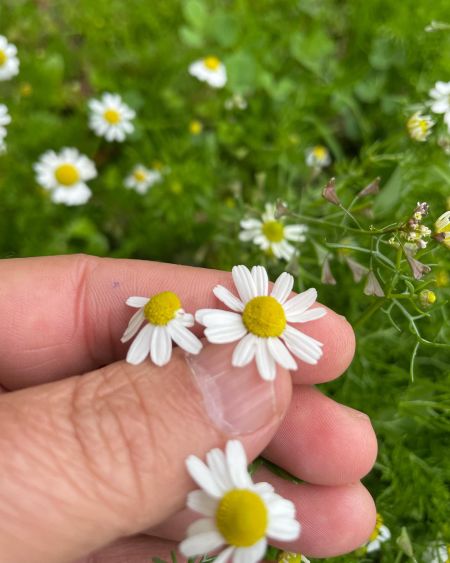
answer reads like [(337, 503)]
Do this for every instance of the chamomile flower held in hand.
[(261, 321), (9, 63), (210, 70), (419, 127), (379, 535), (272, 235), (142, 179), (238, 515), (318, 157), (111, 118), (165, 321), (65, 174)]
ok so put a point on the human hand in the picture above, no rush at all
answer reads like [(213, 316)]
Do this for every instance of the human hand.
[(91, 460)]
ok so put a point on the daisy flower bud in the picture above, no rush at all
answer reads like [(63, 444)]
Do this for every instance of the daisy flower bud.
[(329, 192), (427, 297), (371, 189)]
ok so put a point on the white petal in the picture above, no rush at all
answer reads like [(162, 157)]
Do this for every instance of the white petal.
[(137, 301), (200, 544), (224, 555), (244, 283), (252, 234), (224, 334), (201, 502), (244, 351), (201, 526), (304, 347), (237, 464), (201, 474), (280, 353), (259, 275), (283, 287), (140, 348), (373, 546), (184, 337), (384, 533), (251, 224), (306, 316), (161, 346), (218, 465), (228, 298), (301, 302), (251, 554), (264, 361), (133, 326), (211, 317), (284, 529)]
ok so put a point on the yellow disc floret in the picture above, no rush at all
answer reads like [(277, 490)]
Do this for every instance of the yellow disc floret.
[(319, 152), (67, 174), (112, 116), (162, 308), (211, 63), (3, 58), (264, 316), (273, 231), (139, 175), (241, 518), (376, 531)]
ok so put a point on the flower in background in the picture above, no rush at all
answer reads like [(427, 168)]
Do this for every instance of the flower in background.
[(142, 179), (210, 70), (272, 235), (5, 119), (290, 557), (442, 229), (111, 118), (380, 534), (440, 103), (415, 233), (237, 101), (195, 127), (318, 157), (261, 321), (9, 63), (437, 552), (237, 514), (419, 126), (65, 175)]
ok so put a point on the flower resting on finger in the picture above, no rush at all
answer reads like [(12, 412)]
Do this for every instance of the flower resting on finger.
[(238, 515), (379, 535), (260, 322), (166, 321), (111, 118)]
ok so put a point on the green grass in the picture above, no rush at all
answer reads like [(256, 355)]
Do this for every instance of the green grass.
[(345, 74)]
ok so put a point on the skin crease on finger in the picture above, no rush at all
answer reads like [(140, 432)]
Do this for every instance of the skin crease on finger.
[(66, 315)]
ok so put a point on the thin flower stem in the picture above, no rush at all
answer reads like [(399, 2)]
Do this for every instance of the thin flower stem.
[(325, 223), (369, 312), (411, 364)]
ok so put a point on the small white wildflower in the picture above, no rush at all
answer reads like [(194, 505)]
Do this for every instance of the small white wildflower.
[(380, 535), (237, 101), (440, 103), (318, 157), (210, 70), (419, 127), (9, 63), (111, 118), (5, 119), (142, 179)]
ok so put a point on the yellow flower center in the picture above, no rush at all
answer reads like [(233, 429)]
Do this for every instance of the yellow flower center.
[(3, 58), (442, 278), (376, 531), (139, 175), (273, 231), (195, 127), (67, 175), (241, 518), (320, 152), (112, 116), (162, 308), (264, 316), (211, 63)]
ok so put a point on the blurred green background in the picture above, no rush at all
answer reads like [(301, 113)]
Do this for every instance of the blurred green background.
[(344, 74)]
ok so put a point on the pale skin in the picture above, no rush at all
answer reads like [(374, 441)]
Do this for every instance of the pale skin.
[(93, 448)]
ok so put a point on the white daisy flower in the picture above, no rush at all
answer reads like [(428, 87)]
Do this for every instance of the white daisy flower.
[(5, 119), (9, 63), (437, 552), (272, 235), (111, 118), (440, 103), (380, 534), (166, 321), (260, 321), (290, 557), (318, 157), (210, 70), (65, 174), (239, 515), (142, 179), (419, 126)]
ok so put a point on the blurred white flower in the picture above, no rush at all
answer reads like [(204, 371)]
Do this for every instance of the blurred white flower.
[(111, 118), (440, 102), (318, 157), (419, 126), (437, 552), (142, 179), (380, 534), (272, 235), (9, 63), (5, 119), (210, 70), (237, 101), (65, 175)]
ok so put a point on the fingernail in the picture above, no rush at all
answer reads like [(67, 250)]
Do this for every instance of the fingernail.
[(355, 413), (237, 400)]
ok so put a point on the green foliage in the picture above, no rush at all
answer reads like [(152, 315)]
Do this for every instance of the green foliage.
[(345, 74)]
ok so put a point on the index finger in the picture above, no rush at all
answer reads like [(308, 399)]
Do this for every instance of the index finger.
[(64, 315)]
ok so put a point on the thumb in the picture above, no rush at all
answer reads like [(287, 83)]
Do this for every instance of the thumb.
[(95, 457)]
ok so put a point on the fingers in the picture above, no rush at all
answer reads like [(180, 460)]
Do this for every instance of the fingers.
[(323, 442), (65, 315), (90, 459)]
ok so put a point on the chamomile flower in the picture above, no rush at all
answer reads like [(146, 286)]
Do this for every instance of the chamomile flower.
[(111, 118), (165, 321), (142, 179), (440, 103), (238, 515), (210, 70), (442, 229), (65, 174), (9, 63), (419, 127), (379, 535), (437, 552), (5, 119), (290, 557), (318, 157), (260, 322), (272, 235)]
